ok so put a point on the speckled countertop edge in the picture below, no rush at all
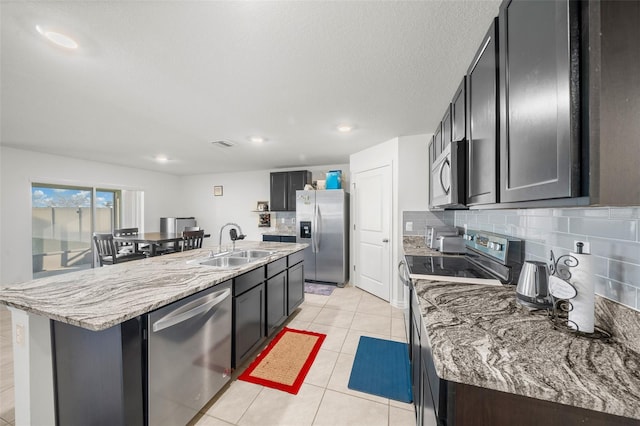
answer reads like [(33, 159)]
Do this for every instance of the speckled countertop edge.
[(99, 298)]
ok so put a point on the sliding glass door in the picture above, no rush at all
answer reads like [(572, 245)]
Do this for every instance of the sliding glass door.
[(63, 221)]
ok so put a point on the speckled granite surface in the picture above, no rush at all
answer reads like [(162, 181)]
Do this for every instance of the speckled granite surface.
[(99, 298), (481, 336), (416, 246)]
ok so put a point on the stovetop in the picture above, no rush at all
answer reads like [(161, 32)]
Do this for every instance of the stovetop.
[(490, 258)]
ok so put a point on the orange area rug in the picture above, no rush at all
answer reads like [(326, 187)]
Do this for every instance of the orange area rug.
[(285, 362)]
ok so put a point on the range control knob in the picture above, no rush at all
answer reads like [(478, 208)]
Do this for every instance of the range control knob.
[(468, 237), (492, 245), (497, 247)]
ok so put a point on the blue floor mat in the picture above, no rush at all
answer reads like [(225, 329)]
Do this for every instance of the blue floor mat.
[(381, 367)]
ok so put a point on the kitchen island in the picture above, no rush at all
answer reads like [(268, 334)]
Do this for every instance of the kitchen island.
[(109, 305), (505, 363)]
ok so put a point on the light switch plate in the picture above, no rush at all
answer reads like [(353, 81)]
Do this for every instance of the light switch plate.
[(408, 226), (19, 335)]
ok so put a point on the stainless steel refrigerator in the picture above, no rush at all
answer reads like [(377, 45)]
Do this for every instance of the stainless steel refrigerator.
[(322, 221)]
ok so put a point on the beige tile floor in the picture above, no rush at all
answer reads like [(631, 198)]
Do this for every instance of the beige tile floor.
[(324, 398)]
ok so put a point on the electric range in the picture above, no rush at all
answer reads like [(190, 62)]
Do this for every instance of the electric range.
[(489, 259)]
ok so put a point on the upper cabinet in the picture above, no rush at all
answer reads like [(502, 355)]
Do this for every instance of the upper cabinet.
[(539, 100), (284, 186), (446, 128), (482, 121), (437, 141), (458, 112)]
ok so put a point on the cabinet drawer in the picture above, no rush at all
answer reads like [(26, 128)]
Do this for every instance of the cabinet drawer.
[(247, 281), (276, 267), (275, 238), (288, 239), (296, 257)]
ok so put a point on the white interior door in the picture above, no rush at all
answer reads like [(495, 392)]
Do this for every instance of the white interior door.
[(372, 210)]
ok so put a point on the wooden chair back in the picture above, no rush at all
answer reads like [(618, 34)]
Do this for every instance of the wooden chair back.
[(106, 248), (123, 245), (192, 240)]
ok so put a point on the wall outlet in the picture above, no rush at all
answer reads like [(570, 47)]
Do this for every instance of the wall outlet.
[(586, 248), (408, 226), (19, 335)]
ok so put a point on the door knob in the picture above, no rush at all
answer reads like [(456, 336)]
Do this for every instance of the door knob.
[(386, 240)]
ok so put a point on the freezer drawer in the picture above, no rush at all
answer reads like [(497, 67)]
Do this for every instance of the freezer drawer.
[(189, 354)]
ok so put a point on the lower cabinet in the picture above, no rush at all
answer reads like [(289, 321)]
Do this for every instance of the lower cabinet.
[(296, 284), (279, 238), (276, 300), (249, 314)]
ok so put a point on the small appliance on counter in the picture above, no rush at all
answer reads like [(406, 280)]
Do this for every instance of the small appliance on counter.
[(533, 286), (435, 232), (451, 244)]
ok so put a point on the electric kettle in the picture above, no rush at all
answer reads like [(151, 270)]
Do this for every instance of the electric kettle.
[(533, 286)]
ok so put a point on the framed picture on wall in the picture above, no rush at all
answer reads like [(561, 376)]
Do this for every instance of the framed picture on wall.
[(264, 220), (263, 206)]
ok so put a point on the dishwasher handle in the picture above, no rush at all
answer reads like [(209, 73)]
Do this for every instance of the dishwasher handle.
[(170, 319)]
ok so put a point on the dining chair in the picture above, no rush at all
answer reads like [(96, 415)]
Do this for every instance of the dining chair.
[(108, 253), (192, 239), (191, 228), (123, 246)]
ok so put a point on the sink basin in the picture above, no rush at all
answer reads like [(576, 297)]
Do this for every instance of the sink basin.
[(252, 254), (226, 262)]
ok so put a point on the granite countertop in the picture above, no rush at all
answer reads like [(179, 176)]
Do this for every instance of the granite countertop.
[(480, 336), (99, 298), (417, 246)]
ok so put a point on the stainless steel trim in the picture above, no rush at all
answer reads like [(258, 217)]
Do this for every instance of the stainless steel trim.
[(445, 163), (172, 319), (318, 226)]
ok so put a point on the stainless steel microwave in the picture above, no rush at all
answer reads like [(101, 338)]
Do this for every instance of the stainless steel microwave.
[(448, 176)]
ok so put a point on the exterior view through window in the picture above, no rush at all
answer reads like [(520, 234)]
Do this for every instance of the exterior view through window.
[(63, 221)]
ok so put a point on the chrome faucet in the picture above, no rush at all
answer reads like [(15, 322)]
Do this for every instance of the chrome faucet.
[(233, 234)]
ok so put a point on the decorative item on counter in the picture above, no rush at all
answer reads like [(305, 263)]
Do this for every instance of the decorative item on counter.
[(320, 185), (263, 206), (571, 286), (334, 179), (308, 187)]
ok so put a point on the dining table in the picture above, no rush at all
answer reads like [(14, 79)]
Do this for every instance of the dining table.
[(153, 239)]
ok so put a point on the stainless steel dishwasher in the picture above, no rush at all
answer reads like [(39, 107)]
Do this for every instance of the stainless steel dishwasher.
[(188, 354)]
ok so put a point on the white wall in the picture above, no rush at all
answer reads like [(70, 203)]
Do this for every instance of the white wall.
[(241, 192), (20, 168), (413, 173)]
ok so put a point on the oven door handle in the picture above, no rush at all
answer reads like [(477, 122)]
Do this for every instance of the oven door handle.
[(403, 272), (445, 163)]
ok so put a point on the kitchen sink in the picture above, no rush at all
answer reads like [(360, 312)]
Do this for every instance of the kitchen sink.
[(226, 261), (251, 254)]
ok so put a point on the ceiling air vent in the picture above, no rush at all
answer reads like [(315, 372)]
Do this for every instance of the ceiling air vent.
[(223, 144)]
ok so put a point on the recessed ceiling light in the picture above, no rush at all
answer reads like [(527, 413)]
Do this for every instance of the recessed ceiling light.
[(58, 38), (345, 128), (162, 158), (256, 139)]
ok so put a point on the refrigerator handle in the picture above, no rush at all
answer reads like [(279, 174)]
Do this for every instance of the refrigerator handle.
[(314, 229), (318, 227)]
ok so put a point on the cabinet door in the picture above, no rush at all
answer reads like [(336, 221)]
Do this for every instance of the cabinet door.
[(416, 376), (297, 181), (279, 182), (295, 287), (275, 238), (249, 322), (458, 113), (482, 121), (539, 93), (431, 159), (276, 301), (446, 128), (437, 141)]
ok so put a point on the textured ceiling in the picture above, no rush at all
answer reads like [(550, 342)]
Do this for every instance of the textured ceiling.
[(170, 77)]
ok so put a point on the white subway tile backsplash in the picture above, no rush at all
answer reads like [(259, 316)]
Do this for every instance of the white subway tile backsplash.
[(612, 232), (607, 228)]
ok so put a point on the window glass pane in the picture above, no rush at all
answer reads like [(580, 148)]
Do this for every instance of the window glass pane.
[(105, 214), (61, 229)]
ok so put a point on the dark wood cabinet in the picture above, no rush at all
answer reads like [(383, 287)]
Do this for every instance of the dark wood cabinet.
[(482, 121), (437, 141), (276, 301), (279, 238), (249, 314), (283, 187), (430, 165), (446, 128), (539, 100), (295, 283), (458, 112)]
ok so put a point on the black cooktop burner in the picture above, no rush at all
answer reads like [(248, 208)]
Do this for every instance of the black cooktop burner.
[(447, 266)]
